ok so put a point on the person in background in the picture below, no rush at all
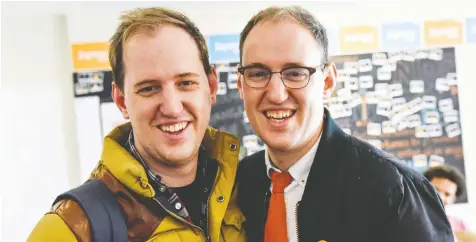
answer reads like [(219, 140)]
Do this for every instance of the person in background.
[(313, 182), (173, 176), (451, 185)]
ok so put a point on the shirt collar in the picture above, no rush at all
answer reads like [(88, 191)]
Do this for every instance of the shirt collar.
[(299, 171), (130, 145), (132, 149)]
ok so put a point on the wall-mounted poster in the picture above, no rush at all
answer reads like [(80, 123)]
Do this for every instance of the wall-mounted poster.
[(404, 102)]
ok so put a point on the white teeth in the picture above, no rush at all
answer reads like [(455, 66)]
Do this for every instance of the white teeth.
[(278, 114), (174, 127)]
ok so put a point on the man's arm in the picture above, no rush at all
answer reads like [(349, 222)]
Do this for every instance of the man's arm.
[(416, 214), (51, 228), (65, 222)]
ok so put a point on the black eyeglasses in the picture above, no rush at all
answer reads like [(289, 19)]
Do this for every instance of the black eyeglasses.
[(293, 77)]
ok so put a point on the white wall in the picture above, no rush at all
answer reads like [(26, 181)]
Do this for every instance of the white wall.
[(38, 156), (38, 100)]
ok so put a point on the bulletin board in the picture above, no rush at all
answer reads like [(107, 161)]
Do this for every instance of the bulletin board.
[(405, 103), (229, 114)]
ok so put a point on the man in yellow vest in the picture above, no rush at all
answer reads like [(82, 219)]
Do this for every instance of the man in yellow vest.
[(172, 175)]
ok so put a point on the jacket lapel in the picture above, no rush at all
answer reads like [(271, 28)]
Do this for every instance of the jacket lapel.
[(320, 207), (255, 201)]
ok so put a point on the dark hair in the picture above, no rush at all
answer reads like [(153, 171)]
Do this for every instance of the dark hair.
[(150, 18), (450, 173), (295, 13)]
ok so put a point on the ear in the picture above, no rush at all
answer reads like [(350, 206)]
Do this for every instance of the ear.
[(240, 79), (330, 81), (119, 100), (213, 84)]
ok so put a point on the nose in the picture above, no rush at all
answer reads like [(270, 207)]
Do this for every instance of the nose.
[(276, 91), (171, 102)]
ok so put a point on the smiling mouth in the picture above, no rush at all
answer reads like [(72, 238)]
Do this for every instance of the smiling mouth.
[(173, 128), (279, 116)]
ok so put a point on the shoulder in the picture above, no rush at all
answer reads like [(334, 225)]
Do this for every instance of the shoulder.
[(66, 221), (222, 146), (380, 169), (395, 187), (251, 163)]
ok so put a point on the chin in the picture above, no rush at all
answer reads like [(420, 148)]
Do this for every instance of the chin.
[(177, 160), (176, 154), (282, 143)]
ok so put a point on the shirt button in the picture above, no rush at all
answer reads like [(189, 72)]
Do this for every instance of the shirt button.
[(178, 206)]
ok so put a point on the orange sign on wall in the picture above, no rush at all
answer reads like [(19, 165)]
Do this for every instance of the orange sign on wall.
[(443, 32), (91, 56), (358, 38)]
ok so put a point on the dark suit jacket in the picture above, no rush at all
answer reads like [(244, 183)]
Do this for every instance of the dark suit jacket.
[(354, 192)]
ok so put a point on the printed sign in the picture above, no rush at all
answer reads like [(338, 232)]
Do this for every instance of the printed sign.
[(224, 48), (471, 30), (443, 32), (400, 36), (358, 38), (90, 56)]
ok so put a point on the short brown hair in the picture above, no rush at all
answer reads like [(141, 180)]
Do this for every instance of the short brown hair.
[(294, 13), (150, 18), (450, 173)]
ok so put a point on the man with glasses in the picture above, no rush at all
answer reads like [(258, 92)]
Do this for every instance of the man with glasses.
[(313, 182)]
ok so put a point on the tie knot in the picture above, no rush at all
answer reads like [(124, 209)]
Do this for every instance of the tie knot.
[(280, 180)]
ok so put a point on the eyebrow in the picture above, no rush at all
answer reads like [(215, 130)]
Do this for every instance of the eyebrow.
[(287, 65), (180, 75), (293, 64), (186, 74), (141, 83)]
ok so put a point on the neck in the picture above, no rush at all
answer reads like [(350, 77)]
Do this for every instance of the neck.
[(284, 159), (172, 174), (175, 175)]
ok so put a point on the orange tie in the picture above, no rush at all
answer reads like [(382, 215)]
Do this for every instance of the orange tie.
[(275, 228)]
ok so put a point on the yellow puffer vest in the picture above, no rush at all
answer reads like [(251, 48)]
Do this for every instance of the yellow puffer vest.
[(127, 179)]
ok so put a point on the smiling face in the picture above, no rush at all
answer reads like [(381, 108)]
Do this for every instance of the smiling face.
[(167, 94), (285, 119)]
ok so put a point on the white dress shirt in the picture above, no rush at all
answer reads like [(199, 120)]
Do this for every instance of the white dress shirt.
[(293, 193)]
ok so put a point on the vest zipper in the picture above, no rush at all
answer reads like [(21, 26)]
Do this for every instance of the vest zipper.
[(297, 221), (207, 236), (179, 218), (265, 210), (208, 202)]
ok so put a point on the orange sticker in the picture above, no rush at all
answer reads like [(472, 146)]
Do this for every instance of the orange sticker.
[(90, 56), (358, 38), (443, 32)]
